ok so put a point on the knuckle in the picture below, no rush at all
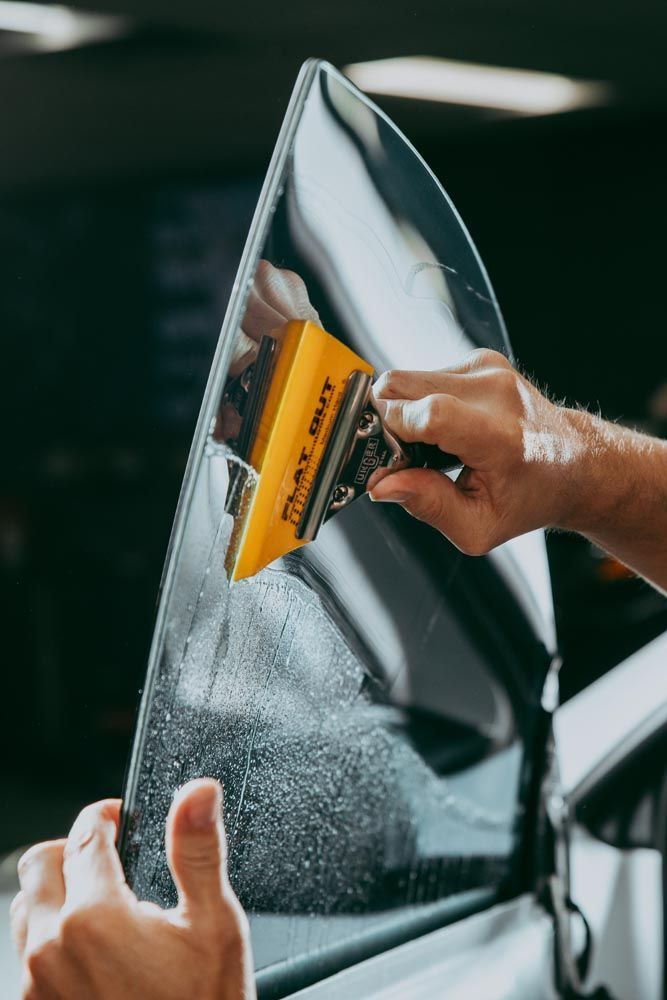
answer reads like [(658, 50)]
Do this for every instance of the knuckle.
[(293, 279), (263, 270), (89, 818), (92, 827), (388, 384), (36, 854), (485, 357), (280, 281), (81, 837), (435, 410), (506, 379)]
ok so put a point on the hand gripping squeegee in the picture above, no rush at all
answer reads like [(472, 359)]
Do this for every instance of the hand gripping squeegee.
[(311, 433)]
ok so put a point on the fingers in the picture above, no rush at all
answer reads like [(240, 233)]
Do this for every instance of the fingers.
[(446, 421), (261, 317), (197, 847), (37, 907), (285, 291), (244, 353), (91, 866), (40, 872), (414, 385), (468, 380), (432, 497), (277, 295)]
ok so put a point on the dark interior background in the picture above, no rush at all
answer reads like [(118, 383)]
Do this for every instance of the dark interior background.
[(128, 175)]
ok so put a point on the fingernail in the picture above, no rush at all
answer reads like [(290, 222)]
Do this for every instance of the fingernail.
[(399, 497), (204, 807)]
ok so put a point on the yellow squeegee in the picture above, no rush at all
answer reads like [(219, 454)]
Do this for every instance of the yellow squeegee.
[(310, 432)]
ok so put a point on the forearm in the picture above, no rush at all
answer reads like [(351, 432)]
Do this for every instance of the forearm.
[(618, 497)]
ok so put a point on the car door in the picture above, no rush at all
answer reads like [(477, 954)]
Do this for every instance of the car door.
[(612, 742), (374, 703)]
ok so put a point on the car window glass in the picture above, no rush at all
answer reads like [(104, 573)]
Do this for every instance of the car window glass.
[(368, 700)]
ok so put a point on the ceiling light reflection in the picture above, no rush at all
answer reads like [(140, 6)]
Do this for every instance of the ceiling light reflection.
[(450, 82), (54, 27)]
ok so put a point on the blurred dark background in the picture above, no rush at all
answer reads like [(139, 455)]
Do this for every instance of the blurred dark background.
[(130, 165)]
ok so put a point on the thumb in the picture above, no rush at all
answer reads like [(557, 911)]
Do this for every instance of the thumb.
[(197, 846), (432, 497)]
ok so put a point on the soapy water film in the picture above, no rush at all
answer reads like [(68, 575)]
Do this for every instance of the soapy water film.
[(329, 808)]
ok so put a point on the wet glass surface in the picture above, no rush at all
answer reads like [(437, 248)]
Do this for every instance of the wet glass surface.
[(367, 700)]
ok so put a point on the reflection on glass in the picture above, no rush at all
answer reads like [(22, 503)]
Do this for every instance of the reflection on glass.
[(368, 699)]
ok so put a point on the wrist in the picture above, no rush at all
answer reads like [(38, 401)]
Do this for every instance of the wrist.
[(598, 480)]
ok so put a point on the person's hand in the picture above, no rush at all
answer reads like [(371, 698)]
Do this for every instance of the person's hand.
[(277, 296), (81, 932), (521, 452)]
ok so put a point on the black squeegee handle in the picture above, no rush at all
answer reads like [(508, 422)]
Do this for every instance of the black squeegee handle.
[(429, 456)]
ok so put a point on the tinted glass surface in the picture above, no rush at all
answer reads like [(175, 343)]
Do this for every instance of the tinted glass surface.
[(368, 700)]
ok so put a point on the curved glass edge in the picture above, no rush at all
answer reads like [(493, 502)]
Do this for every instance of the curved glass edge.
[(342, 79), (271, 189)]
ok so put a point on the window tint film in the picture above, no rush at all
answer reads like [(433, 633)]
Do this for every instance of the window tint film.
[(368, 700)]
